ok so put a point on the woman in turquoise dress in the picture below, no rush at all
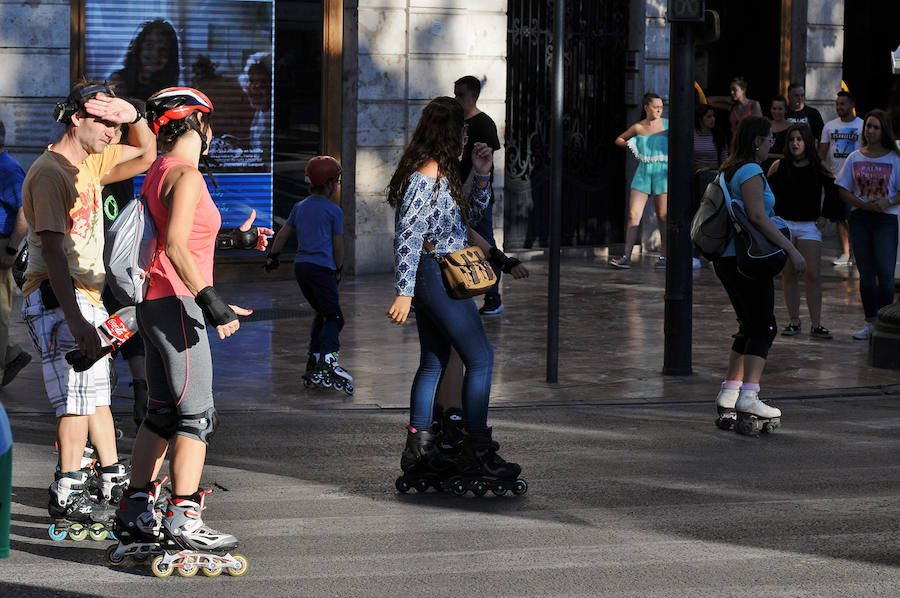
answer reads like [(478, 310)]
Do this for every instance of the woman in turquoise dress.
[(648, 140)]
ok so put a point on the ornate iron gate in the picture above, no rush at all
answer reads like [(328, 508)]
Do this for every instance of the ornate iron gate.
[(594, 113)]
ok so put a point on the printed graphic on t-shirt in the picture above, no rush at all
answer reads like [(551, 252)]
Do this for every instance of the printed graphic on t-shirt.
[(872, 178), (84, 214), (844, 141)]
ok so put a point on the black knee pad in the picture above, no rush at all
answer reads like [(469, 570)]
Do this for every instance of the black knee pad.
[(199, 425), (338, 318), (162, 421)]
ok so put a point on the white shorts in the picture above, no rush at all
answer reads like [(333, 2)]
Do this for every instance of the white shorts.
[(804, 231), (70, 392)]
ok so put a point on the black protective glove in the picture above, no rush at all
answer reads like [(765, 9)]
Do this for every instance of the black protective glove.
[(216, 311), (238, 239), (338, 275), (272, 262), (502, 261)]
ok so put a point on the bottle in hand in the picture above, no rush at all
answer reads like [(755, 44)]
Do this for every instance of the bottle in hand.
[(117, 329)]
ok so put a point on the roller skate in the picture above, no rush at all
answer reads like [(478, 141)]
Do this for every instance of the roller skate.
[(755, 416), (449, 431), (189, 545), (312, 377), (725, 406), (333, 375), (75, 512), (107, 484), (137, 525), (422, 464), (482, 469)]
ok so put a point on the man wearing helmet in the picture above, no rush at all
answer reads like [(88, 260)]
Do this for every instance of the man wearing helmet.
[(61, 200), (318, 224)]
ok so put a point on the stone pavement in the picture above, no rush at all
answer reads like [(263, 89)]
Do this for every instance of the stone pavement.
[(633, 491)]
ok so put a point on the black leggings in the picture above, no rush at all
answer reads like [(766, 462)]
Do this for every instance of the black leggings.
[(754, 305)]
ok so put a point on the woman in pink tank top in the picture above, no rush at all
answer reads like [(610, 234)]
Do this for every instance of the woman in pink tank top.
[(172, 318)]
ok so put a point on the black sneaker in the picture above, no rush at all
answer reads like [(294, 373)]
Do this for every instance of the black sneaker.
[(491, 306), (15, 366), (820, 332), (791, 329)]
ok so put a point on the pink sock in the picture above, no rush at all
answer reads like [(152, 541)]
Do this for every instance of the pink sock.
[(747, 386), (731, 385)]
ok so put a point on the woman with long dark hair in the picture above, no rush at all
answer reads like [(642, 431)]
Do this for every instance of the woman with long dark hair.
[(431, 214), (798, 181), (151, 62), (738, 104), (869, 182), (753, 299), (180, 300)]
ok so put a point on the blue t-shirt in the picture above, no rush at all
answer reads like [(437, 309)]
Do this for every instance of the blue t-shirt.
[(317, 219), (11, 177), (743, 174)]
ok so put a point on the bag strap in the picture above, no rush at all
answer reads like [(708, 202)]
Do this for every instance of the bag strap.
[(427, 245), (724, 186)]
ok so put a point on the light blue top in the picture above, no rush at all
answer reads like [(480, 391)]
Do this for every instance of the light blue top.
[(317, 219), (423, 214), (651, 148), (5, 433), (745, 173)]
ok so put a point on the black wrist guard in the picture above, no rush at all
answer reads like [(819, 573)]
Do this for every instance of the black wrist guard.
[(502, 261), (238, 239), (337, 274), (138, 108), (216, 311), (272, 262)]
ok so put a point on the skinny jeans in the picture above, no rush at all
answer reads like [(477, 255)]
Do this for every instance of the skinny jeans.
[(874, 240)]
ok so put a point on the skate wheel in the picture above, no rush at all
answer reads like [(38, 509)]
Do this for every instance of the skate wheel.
[(97, 532), (112, 557), (744, 427), (422, 486), (338, 386), (211, 571), (499, 490), (78, 532), (402, 485), (520, 487), (479, 488), (241, 569), (187, 568), (725, 423), (56, 536), (769, 427), (307, 383), (458, 486), (326, 383), (112, 535), (140, 559), (349, 389), (160, 569), (120, 434)]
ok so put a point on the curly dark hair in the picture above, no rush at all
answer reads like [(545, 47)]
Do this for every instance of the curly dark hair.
[(168, 76), (438, 137)]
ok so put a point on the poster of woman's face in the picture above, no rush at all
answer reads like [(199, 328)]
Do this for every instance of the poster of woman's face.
[(222, 48)]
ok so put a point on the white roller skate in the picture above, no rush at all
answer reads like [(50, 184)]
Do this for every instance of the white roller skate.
[(189, 545), (725, 406), (137, 525), (755, 416)]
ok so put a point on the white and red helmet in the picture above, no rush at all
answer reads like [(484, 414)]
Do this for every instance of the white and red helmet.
[(175, 103), (321, 169)]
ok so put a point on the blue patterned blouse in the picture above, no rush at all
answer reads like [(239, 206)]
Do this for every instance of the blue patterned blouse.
[(422, 215)]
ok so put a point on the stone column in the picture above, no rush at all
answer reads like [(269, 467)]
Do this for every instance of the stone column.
[(398, 54), (824, 54)]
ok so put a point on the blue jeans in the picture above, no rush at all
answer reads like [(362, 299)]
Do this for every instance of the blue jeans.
[(318, 285), (874, 240), (444, 322), (485, 228)]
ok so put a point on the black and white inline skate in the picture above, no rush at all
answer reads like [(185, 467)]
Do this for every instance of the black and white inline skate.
[(137, 523), (327, 373), (75, 512), (423, 465), (481, 469), (725, 401), (189, 546), (755, 416), (449, 429)]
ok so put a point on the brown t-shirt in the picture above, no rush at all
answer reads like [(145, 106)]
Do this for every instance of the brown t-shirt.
[(59, 197)]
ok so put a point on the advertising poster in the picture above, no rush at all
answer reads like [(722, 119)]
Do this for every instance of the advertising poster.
[(222, 48)]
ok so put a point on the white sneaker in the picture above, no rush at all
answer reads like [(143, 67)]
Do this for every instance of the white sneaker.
[(865, 333), (748, 402), (844, 260)]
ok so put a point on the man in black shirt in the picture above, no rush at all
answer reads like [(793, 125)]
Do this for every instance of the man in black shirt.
[(799, 112), (481, 129)]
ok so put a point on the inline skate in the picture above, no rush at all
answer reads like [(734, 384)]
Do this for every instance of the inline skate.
[(755, 416), (190, 546), (423, 465), (107, 484), (725, 401), (482, 469), (449, 428), (312, 376), (75, 512), (137, 524), (327, 373)]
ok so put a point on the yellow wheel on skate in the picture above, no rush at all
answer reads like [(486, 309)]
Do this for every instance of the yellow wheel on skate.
[(237, 572), (112, 558), (98, 532), (211, 571), (187, 567), (78, 532), (159, 569)]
